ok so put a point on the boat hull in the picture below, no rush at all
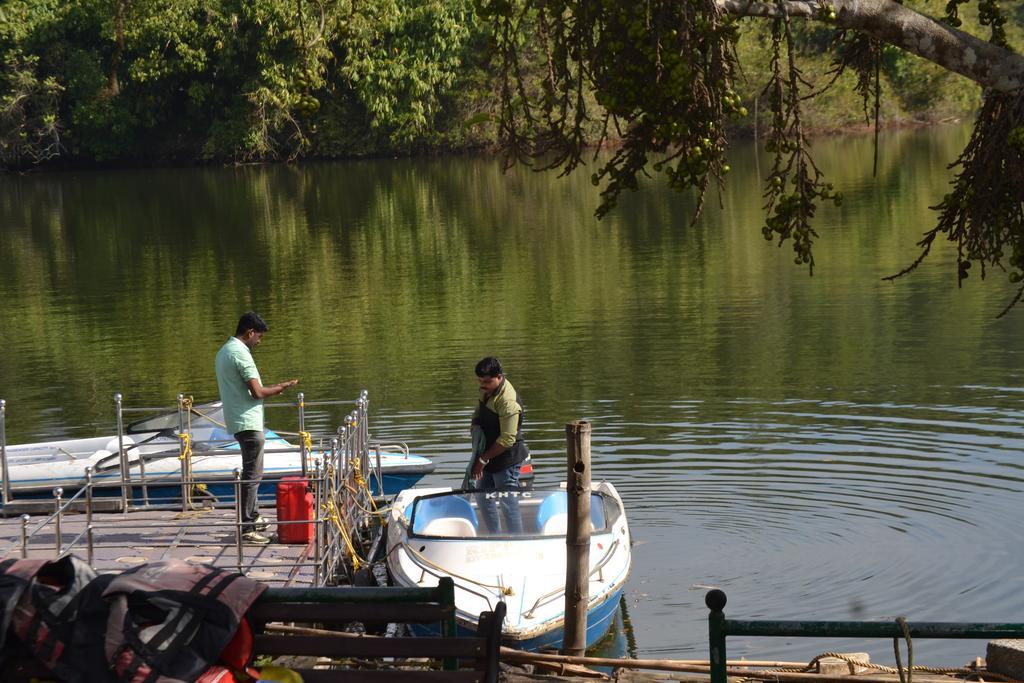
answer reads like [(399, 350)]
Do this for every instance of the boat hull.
[(36, 470), (599, 620), (437, 532)]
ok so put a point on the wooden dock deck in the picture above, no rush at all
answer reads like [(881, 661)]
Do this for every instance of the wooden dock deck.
[(121, 541)]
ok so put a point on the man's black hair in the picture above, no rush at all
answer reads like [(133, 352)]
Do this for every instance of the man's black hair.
[(489, 367), (250, 321)]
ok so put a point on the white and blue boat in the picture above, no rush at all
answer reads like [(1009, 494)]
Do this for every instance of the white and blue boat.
[(509, 546), (152, 448)]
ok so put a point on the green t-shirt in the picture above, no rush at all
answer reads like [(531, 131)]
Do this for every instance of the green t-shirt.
[(235, 367), (505, 405)]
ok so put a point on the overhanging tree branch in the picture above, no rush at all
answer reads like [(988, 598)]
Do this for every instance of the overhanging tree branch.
[(987, 64)]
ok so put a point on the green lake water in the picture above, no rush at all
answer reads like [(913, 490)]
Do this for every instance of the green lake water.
[(826, 447)]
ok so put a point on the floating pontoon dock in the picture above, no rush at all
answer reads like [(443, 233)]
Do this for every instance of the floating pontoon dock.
[(114, 528)]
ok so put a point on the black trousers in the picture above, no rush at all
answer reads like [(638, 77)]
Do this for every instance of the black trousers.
[(251, 442)]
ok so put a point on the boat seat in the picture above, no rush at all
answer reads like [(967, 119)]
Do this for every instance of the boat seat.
[(553, 514), (556, 525), (459, 527), (428, 510)]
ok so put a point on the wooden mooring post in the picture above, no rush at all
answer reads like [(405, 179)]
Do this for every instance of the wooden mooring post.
[(577, 538)]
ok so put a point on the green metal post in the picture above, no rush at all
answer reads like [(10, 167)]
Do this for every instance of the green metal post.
[(715, 600), (446, 596)]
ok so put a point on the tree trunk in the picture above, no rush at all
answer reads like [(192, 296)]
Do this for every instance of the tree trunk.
[(113, 85), (984, 63)]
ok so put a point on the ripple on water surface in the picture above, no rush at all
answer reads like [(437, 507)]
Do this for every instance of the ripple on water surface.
[(798, 509)]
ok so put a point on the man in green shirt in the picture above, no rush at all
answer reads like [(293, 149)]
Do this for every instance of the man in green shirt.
[(242, 394), (500, 415)]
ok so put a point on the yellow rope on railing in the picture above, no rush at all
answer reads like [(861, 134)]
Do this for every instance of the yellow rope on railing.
[(186, 445), (354, 492), (365, 485), (186, 451), (307, 443), (361, 485), (332, 514)]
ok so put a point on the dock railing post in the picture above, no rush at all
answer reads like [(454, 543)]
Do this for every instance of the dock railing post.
[(3, 452), (303, 451), (345, 473), (184, 446), (577, 538), (317, 550), (364, 417), (332, 477), (238, 517), (24, 536), (122, 456), (715, 600), (335, 466), (88, 515), (362, 454), (58, 513), (88, 496)]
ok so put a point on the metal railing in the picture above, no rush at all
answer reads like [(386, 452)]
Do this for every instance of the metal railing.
[(338, 477), (3, 452), (719, 627)]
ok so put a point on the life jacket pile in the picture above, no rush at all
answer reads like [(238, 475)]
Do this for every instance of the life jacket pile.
[(162, 622), (43, 600)]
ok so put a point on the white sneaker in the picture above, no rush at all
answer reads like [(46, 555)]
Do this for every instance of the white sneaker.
[(254, 538), (260, 524)]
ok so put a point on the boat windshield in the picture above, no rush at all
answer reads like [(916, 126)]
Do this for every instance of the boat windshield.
[(206, 416), (503, 514)]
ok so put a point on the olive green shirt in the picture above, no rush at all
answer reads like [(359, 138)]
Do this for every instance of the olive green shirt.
[(235, 367), (504, 404)]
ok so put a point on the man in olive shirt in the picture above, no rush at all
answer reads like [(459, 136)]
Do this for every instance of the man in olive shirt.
[(500, 415), (242, 394)]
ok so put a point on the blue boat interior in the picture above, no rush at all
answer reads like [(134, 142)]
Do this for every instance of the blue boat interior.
[(430, 510), (535, 513), (553, 514)]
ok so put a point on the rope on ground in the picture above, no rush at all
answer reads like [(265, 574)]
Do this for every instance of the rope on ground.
[(194, 513), (947, 671)]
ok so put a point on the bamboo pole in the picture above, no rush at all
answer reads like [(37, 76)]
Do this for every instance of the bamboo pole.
[(736, 667), (577, 538), (509, 654)]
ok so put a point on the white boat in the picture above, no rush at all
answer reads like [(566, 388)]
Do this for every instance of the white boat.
[(153, 444), (509, 546)]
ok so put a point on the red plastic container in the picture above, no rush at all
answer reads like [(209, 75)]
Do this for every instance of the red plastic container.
[(294, 504)]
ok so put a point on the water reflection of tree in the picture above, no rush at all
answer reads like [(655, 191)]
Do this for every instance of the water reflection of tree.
[(386, 273)]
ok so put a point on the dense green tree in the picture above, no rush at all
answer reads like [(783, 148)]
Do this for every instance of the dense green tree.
[(221, 79), (30, 129)]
